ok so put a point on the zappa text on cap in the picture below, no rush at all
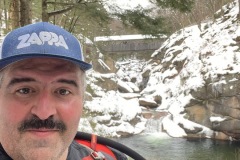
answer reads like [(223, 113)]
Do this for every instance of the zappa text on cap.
[(51, 38)]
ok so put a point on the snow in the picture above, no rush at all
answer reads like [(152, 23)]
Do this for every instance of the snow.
[(103, 64), (125, 86), (172, 128), (215, 38), (124, 37), (126, 5), (147, 100), (123, 110), (130, 95), (217, 119)]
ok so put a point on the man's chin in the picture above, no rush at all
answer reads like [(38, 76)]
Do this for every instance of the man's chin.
[(43, 152), (40, 154), (42, 147)]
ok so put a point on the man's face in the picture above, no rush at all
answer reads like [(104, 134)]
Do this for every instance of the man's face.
[(40, 106)]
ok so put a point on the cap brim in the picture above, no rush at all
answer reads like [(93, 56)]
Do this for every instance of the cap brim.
[(9, 60)]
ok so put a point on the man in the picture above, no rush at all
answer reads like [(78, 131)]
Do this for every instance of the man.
[(41, 94)]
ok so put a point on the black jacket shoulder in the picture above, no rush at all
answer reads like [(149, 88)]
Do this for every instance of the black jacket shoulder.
[(3, 154)]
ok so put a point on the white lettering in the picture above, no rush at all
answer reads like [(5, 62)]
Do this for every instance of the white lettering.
[(23, 39), (61, 42), (44, 37), (34, 39), (54, 38)]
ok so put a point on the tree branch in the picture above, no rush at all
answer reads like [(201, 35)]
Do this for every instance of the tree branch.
[(60, 11)]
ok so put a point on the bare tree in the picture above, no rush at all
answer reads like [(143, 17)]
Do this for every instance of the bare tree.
[(239, 9), (13, 14), (46, 15), (19, 13), (5, 14), (25, 12), (90, 16)]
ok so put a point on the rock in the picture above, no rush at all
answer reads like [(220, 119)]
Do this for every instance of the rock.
[(133, 79), (124, 87), (147, 115), (124, 134), (194, 75), (107, 83), (172, 129), (218, 107), (220, 136), (88, 96), (130, 95), (160, 114), (158, 99), (133, 86), (146, 73), (195, 130), (147, 103), (231, 126), (199, 114), (107, 66)]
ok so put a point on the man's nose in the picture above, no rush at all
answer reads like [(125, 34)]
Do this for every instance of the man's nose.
[(44, 106)]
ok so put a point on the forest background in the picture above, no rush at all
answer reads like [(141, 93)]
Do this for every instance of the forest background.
[(92, 18)]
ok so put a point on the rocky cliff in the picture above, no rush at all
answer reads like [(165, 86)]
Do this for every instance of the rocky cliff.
[(192, 80), (197, 70)]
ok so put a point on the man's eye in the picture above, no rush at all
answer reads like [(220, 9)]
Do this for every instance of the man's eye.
[(63, 92), (24, 90)]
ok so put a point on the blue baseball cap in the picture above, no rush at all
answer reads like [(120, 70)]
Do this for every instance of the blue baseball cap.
[(41, 39)]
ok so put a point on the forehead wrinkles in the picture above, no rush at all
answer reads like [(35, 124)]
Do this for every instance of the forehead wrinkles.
[(26, 65), (44, 64)]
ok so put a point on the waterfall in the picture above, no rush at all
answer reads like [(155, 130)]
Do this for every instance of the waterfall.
[(154, 123)]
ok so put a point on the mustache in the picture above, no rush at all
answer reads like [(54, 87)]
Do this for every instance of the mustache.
[(36, 123)]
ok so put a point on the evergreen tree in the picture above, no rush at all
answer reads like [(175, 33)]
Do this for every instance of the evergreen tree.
[(88, 14), (181, 5)]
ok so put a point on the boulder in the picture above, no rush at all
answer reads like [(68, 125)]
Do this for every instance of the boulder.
[(124, 87), (148, 103)]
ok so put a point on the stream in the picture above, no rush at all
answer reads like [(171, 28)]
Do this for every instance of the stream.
[(153, 144), (161, 147)]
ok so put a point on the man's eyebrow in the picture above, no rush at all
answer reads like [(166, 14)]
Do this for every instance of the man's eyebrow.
[(71, 82), (20, 80)]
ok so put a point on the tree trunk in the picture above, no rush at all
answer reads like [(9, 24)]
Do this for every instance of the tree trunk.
[(25, 12), (238, 9), (45, 15), (13, 14), (1, 17), (5, 14)]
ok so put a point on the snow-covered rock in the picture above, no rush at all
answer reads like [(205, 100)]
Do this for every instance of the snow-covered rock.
[(198, 73), (193, 76), (112, 115)]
